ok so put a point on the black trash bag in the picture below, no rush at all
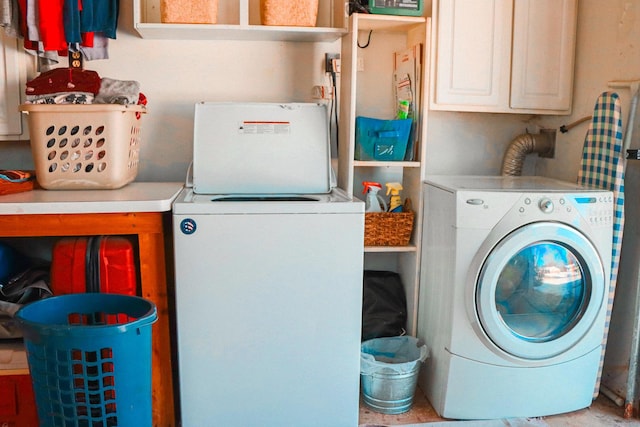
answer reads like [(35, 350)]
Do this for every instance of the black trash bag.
[(384, 305)]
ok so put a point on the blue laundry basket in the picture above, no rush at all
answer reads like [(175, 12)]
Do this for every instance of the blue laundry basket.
[(90, 359)]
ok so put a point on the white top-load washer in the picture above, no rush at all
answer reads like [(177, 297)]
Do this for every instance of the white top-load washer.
[(269, 263), (514, 278)]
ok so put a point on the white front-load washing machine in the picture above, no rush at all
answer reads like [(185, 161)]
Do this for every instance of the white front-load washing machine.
[(514, 276)]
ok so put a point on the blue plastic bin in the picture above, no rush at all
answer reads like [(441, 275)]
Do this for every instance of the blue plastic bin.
[(384, 140), (90, 359)]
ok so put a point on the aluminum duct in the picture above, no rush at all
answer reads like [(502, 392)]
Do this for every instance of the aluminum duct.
[(523, 145)]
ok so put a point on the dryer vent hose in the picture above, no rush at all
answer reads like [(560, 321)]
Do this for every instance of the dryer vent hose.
[(518, 150)]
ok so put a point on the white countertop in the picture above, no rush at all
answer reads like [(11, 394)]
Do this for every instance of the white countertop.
[(134, 197)]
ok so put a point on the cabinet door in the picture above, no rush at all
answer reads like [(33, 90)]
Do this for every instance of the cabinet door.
[(472, 53), (544, 38), (10, 121)]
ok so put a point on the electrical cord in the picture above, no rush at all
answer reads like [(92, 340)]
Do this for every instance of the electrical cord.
[(360, 7), (334, 109), (368, 41)]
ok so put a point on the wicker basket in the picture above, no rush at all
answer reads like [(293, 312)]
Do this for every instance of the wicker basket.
[(299, 13), (189, 11), (387, 228), (78, 147)]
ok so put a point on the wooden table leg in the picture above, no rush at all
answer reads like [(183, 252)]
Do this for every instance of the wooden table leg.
[(154, 288)]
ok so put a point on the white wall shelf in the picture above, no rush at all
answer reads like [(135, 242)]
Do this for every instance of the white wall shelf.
[(377, 164), (385, 249), (389, 23), (366, 90), (236, 32), (239, 20)]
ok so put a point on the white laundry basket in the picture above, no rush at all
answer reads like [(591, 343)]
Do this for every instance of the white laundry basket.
[(77, 146)]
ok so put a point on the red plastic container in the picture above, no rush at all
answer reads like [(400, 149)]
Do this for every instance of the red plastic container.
[(17, 405), (93, 264)]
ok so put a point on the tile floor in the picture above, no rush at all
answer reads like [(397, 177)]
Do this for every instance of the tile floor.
[(603, 412)]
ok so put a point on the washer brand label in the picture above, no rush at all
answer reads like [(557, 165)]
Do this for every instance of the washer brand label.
[(188, 226)]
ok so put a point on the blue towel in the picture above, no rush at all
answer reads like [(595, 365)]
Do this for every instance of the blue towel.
[(603, 167)]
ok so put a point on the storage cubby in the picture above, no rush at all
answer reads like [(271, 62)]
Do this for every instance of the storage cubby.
[(367, 90), (240, 20)]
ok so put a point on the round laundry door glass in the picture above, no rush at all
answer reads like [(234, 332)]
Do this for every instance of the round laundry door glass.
[(540, 292)]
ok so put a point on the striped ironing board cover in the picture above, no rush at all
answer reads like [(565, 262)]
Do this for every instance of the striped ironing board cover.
[(603, 167)]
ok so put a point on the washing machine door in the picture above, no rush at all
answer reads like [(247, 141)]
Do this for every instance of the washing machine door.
[(539, 290)]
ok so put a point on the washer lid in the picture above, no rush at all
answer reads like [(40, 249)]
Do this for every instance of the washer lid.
[(266, 148), (540, 290)]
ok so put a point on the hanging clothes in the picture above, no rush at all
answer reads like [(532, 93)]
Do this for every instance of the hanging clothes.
[(71, 20), (95, 47), (55, 27), (603, 167), (100, 16), (48, 15)]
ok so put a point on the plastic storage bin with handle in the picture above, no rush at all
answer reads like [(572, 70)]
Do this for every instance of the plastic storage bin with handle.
[(382, 140)]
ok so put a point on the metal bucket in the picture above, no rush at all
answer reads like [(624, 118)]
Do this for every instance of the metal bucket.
[(389, 370), (389, 392)]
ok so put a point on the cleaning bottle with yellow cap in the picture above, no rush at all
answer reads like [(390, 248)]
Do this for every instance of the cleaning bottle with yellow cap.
[(395, 201)]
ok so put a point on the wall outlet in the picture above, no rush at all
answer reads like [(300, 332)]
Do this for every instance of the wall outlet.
[(322, 92), (332, 62)]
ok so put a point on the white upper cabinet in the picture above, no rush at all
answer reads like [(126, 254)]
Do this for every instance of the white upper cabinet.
[(472, 46), (544, 50), (10, 120), (504, 56)]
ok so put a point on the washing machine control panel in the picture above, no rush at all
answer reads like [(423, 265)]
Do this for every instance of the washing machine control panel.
[(596, 209), (546, 205)]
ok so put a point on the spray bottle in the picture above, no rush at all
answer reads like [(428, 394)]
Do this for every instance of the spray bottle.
[(374, 202), (395, 202)]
